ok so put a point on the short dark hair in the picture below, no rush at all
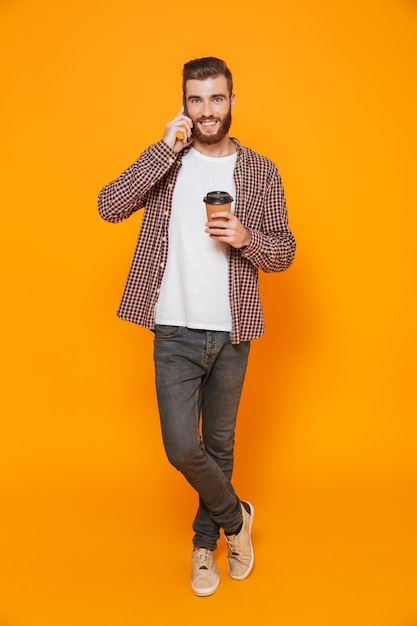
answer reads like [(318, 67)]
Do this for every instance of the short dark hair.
[(207, 67)]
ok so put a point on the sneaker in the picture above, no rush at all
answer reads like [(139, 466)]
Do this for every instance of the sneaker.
[(205, 577), (240, 551)]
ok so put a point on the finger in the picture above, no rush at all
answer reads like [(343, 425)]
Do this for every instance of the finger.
[(184, 119), (180, 118), (217, 223), (181, 124), (226, 215), (184, 133)]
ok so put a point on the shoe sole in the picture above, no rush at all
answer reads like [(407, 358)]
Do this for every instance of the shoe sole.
[(203, 593), (252, 561)]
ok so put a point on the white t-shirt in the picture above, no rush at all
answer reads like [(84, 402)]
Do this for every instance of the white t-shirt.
[(195, 286)]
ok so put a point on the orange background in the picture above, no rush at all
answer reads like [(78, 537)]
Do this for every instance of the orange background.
[(95, 524)]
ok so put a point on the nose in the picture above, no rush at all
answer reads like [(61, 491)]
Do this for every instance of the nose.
[(207, 110)]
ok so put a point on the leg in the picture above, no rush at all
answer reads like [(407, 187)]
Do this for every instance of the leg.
[(221, 392), (182, 360)]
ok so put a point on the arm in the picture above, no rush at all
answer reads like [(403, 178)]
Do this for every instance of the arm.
[(268, 243), (125, 195), (272, 247)]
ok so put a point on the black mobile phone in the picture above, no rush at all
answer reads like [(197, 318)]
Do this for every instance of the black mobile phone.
[(184, 102)]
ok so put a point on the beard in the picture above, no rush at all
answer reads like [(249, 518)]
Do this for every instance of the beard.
[(211, 139)]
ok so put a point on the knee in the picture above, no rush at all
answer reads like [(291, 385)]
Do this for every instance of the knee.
[(182, 456)]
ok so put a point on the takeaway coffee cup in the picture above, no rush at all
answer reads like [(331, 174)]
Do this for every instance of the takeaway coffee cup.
[(217, 201)]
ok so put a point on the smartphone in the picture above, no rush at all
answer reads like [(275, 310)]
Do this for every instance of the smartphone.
[(184, 102)]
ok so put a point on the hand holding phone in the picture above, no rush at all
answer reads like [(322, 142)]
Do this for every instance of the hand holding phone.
[(178, 131)]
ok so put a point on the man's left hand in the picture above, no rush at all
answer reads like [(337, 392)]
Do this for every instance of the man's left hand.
[(225, 227)]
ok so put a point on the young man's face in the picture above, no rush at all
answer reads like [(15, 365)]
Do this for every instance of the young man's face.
[(209, 105)]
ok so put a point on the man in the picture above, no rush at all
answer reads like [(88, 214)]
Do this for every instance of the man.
[(194, 283)]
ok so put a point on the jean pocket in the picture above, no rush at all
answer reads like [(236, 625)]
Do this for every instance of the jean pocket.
[(163, 331)]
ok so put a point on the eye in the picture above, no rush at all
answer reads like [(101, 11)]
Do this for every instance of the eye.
[(218, 99), (195, 100)]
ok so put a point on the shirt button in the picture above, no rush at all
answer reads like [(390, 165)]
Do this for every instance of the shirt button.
[(164, 239), (165, 213), (162, 265)]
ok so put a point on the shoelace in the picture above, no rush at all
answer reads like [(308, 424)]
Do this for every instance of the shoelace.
[(203, 558), (233, 541)]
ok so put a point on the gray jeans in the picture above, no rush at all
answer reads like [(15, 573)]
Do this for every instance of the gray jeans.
[(199, 379)]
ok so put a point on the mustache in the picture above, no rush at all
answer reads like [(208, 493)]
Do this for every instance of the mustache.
[(210, 118)]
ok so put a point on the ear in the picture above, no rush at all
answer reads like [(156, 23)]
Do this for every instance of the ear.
[(232, 100)]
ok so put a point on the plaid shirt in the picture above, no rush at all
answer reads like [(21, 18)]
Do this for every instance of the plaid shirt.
[(259, 205)]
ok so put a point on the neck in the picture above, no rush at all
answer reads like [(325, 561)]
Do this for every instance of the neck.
[(223, 148)]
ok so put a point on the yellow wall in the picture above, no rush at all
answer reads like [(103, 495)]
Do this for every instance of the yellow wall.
[(328, 91)]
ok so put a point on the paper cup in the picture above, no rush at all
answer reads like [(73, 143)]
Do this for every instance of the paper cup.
[(217, 201)]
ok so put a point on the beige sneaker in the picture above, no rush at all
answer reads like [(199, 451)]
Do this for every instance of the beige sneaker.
[(240, 551), (205, 577)]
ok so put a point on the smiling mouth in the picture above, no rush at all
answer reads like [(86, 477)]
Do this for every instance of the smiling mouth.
[(208, 124)]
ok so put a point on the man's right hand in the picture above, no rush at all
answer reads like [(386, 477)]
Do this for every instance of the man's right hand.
[(178, 132)]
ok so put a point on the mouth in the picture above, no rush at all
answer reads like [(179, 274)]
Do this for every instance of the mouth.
[(208, 125)]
